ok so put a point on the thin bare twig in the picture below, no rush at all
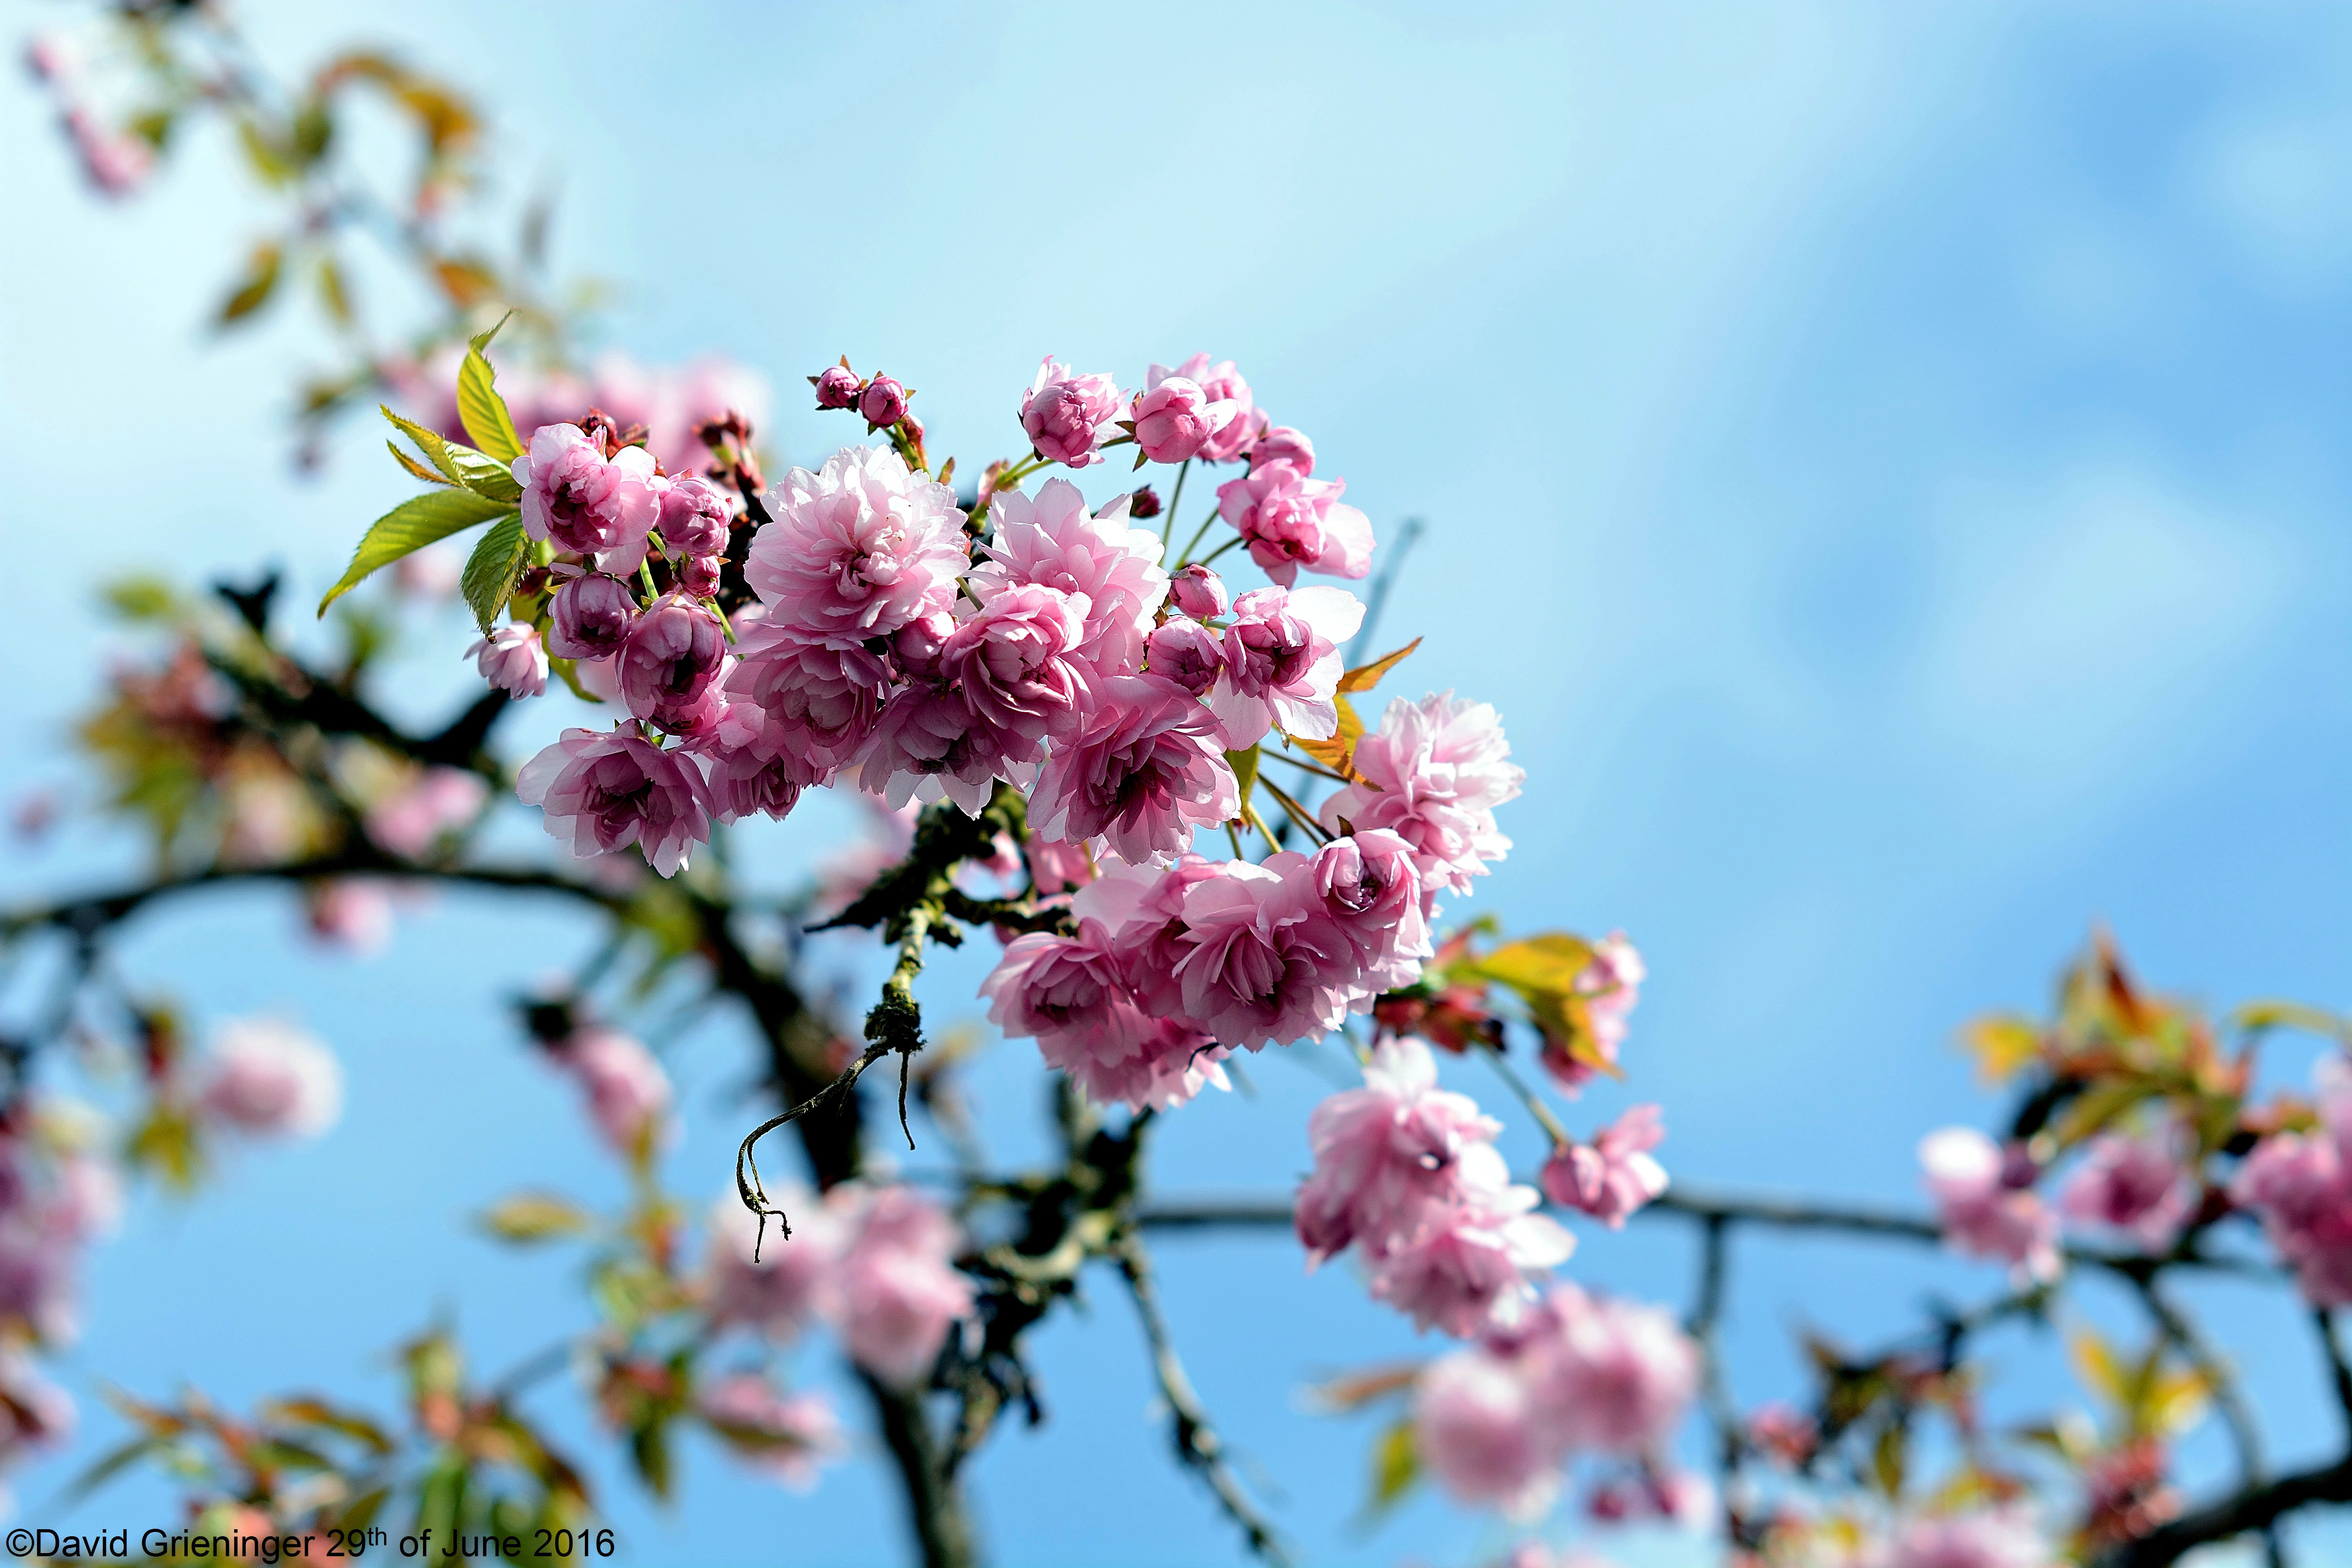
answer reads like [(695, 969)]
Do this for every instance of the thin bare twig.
[(2228, 1397)]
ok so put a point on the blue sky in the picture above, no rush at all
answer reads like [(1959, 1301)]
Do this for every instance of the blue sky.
[(1884, 463)]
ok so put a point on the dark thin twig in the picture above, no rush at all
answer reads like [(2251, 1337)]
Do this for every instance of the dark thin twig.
[(2331, 1345), (2228, 1398), (1197, 1443), (1715, 1390)]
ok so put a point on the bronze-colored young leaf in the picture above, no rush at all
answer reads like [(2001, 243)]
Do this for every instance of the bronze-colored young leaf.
[(1339, 753), (1364, 677), (416, 468), (491, 571), (410, 526), (253, 290)]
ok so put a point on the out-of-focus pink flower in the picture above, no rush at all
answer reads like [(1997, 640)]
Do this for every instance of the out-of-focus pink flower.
[(882, 403), (790, 1284), (1370, 886), (1174, 418), (39, 1287), (350, 912), (1610, 985), (1222, 383), (1142, 770), (512, 661), (1614, 1176), (584, 501), (1434, 773), (1199, 593), (837, 387), (409, 821), (2136, 1185), (669, 403), (34, 1415), (1283, 444), (590, 616), (1995, 1539), (1784, 1432), (1470, 1278), (605, 792), (271, 1079), (1056, 868), (117, 162), (628, 1093), (432, 572), (783, 1436), (1185, 652), (670, 658), (269, 813), (1066, 415), (900, 1293), (1984, 1214), (2300, 1186), (1616, 1375), (53, 58), (695, 518), (1296, 524), (1014, 660), (1282, 664), (1477, 1427), (857, 549), (1053, 541)]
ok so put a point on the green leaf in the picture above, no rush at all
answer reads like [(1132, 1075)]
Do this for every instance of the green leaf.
[(1245, 767), (479, 407), (1396, 1465), (478, 471), (491, 571), (536, 1216), (141, 599), (111, 1464), (253, 290), (410, 527), (416, 468)]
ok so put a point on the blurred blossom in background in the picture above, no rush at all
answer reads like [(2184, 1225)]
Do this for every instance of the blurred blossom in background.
[(1937, 544)]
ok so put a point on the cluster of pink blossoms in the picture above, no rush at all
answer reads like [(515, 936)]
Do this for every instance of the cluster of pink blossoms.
[(875, 1264), (2299, 1185), (1499, 1421)]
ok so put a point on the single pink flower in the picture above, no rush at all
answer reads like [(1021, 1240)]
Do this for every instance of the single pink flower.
[(1199, 593), (1283, 444), (603, 792), (1072, 994), (353, 913), (1475, 1426), (857, 549), (807, 703), (628, 1093), (1068, 417), (1015, 661), (1466, 1280), (512, 661), (1434, 773), (1293, 523), (1610, 985), (1615, 1375), (271, 1079), (1396, 1159), (1053, 541), (1264, 962), (1614, 1175), (1185, 652), (412, 819), (670, 658), (925, 747), (783, 1436), (1174, 417), (1142, 770), (790, 1284), (2136, 1185), (1370, 885), (900, 1293), (590, 616), (583, 501), (1984, 1213), (1282, 664), (695, 518), (1222, 384)]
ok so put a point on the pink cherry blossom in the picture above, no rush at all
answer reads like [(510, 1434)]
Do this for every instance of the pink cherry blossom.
[(925, 746), (1199, 592), (806, 703), (1614, 1176), (1293, 523), (1282, 664), (1615, 1375), (857, 549), (584, 501), (269, 1079), (790, 1284), (1610, 985), (1283, 444), (512, 661), (1370, 886), (1185, 652), (1174, 417), (837, 387), (1476, 1426), (2299, 1185), (882, 403), (900, 1293), (590, 616), (1057, 867), (1054, 542), (350, 912), (670, 403), (695, 517), (1996, 1539), (1984, 1214), (1434, 773), (1396, 1158), (409, 819), (603, 792), (2136, 1185), (1222, 383), (741, 783), (1264, 962), (1142, 770), (785, 1436), (1073, 995), (1066, 415), (628, 1093), (1015, 661), (117, 161), (1465, 1280), (670, 658)]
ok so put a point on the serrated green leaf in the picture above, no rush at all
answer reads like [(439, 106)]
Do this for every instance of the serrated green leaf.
[(491, 571), (409, 527), (479, 407), (478, 471), (416, 468)]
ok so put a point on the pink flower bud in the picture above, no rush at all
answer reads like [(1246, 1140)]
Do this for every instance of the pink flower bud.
[(512, 661), (1186, 653), (837, 387), (695, 518), (698, 574), (918, 644), (592, 616), (1199, 593), (883, 403), (1283, 444), (1144, 503), (1173, 417), (1068, 416), (671, 657)]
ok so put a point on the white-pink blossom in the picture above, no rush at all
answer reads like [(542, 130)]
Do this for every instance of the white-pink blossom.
[(1066, 415), (783, 1436), (791, 1282), (583, 501), (1264, 961), (1054, 542), (1282, 664), (1614, 1176), (858, 548), (1224, 386), (1072, 994), (628, 1093), (604, 791), (1294, 524), (1174, 417), (1434, 773), (1141, 769), (900, 1293), (512, 661), (1984, 1213), (1476, 1426), (269, 1079), (2135, 1185), (1617, 1376)]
